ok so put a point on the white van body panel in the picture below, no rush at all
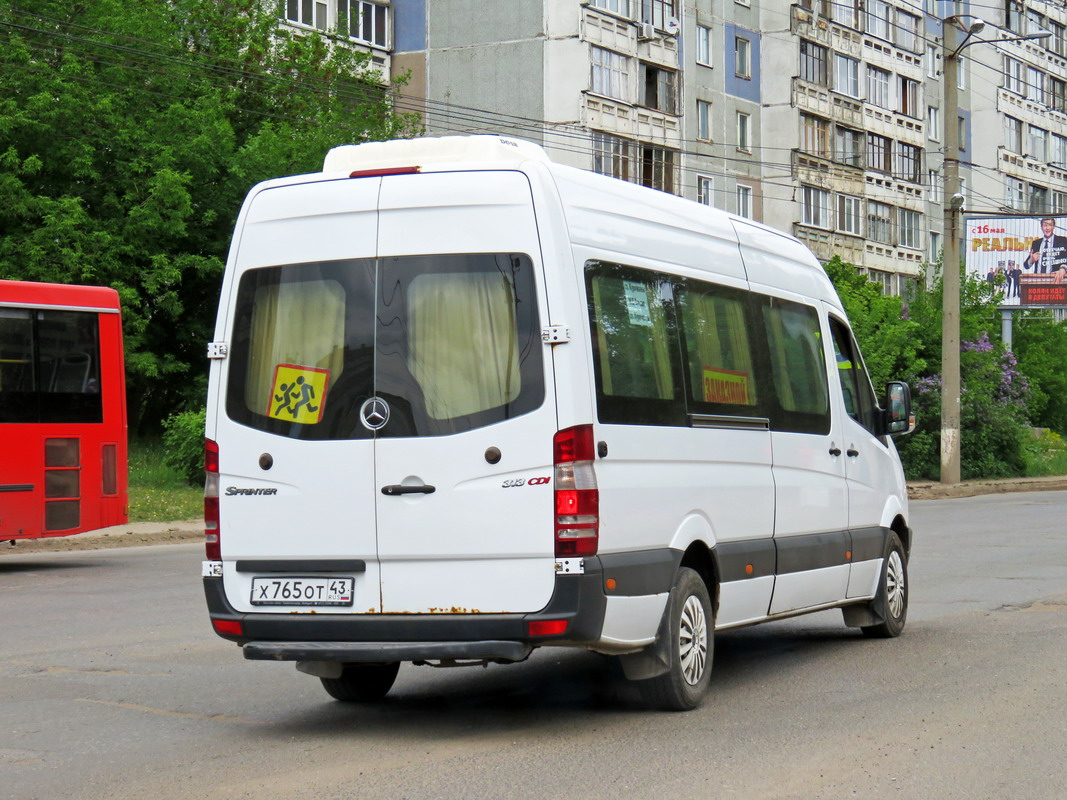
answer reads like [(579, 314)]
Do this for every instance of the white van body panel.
[(768, 511)]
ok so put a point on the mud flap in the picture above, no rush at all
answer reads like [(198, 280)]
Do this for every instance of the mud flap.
[(655, 659)]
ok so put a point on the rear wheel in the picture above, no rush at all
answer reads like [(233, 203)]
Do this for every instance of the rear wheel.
[(691, 631), (361, 683), (891, 604)]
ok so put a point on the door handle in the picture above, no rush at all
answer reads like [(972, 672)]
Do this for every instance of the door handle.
[(395, 489), (835, 450), (852, 453)]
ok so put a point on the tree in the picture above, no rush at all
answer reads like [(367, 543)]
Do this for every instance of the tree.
[(128, 137)]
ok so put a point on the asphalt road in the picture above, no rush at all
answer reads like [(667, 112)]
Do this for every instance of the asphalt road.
[(112, 685)]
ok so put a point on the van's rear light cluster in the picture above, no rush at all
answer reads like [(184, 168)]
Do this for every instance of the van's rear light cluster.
[(211, 501), (576, 494)]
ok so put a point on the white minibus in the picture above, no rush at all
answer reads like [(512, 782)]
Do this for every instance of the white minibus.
[(466, 402)]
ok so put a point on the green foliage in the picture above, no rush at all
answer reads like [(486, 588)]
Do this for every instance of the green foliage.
[(183, 441), (1046, 454), (1041, 347), (127, 141), (157, 492), (996, 395)]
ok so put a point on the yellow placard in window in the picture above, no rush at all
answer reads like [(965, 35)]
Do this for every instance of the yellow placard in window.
[(298, 394), (725, 386)]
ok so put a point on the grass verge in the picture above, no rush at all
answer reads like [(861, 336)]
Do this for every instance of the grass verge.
[(1046, 455), (158, 493)]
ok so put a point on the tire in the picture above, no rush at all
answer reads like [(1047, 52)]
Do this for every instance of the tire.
[(691, 630), (362, 683), (891, 603)]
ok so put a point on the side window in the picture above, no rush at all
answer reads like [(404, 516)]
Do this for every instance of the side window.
[(49, 366), (860, 403), (798, 367), (635, 346), (719, 362)]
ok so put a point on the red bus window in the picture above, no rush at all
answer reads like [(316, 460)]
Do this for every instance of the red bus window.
[(109, 469), (61, 453), (61, 483), (61, 515)]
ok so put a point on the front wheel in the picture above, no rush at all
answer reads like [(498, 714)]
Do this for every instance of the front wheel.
[(691, 631), (361, 683), (891, 603)]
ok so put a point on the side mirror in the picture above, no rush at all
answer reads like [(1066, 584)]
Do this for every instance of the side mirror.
[(898, 417)]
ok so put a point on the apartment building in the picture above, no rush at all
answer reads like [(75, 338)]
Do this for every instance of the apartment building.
[(819, 117)]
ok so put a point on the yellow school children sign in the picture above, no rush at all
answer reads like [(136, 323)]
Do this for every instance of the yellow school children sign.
[(298, 394)]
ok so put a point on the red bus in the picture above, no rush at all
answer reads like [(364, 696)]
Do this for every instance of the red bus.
[(62, 410)]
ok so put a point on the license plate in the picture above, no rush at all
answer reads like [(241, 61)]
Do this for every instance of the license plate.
[(302, 591)]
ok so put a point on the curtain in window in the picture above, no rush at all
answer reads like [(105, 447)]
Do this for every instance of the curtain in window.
[(720, 363), (463, 342), (299, 323)]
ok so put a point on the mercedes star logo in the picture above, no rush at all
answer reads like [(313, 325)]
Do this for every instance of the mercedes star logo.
[(374, 413)]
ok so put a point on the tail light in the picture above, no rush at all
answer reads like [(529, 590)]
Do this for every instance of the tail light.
[(576, 495), (211, 501)]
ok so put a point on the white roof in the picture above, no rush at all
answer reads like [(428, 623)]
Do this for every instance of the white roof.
[(427, 151)]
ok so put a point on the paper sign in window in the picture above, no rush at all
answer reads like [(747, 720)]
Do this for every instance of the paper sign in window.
[(299, 394), (725, 386), (637, 303)]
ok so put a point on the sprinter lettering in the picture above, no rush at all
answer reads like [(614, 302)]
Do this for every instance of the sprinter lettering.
[(233, 490)]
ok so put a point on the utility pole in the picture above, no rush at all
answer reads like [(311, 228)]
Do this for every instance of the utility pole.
[(950, 273)]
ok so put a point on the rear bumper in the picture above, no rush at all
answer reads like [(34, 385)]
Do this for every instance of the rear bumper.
[(369, 638)]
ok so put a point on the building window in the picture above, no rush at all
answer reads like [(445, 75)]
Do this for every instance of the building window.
[(850, 214), (1057, 94), (814, 136), (659, 12), (1014, 192), (744, 201), (813, 63), (910, 226), (935, 248), (659, 89), (312, 13), (1059, 203), (705, 190), (1038, 144), (933, 123), (844, 12), (742, 57), (909, 98), (614, 156), (610, 73), (1013, 134), (1035, 85), (1058, 151), (933, 184), (961, 133), (743, 133), (1058, 42), (879, 222), (909, 162), (931, 58), (1013, 76), (848, 146), (657, 168), (704, 120), (882, 278), (368, 22), (1038, 199), (815, 207), (704, 45), (879, 153), (907, 31), (877, 18), (847, 75), (620, 7), (878, 87)]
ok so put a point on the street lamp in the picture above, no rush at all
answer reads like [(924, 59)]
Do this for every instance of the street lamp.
[(950, 303)]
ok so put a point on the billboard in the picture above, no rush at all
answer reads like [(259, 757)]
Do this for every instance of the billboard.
[(1025, 257)]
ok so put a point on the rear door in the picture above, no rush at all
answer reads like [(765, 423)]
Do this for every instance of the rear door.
[(296, 465), (464, 411)]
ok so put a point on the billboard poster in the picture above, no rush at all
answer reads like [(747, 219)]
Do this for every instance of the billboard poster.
[(1025, 257)]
